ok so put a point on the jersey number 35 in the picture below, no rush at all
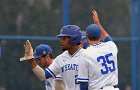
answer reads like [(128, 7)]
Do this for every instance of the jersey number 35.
[(109, 65)]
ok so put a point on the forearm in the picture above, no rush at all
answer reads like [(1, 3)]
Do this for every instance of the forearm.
[(39, 72), (59, 85), (104, 33)]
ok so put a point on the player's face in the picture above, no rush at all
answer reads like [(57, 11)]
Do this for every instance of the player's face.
[(64, 42), (42, 62)]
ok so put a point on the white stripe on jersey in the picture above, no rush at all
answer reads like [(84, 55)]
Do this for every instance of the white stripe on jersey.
[(51, 72)]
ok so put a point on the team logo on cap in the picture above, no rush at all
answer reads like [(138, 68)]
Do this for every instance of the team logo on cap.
[(44, 52)]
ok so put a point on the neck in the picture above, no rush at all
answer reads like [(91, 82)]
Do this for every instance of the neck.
[(73, 49), (93, 42)]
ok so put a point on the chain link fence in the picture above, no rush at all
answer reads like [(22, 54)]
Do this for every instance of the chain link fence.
[(45, 18)]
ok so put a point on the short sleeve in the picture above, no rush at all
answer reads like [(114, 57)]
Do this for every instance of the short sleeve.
[(83, 70), (53, 69), (58, 77), (112, 46), (108, 38)]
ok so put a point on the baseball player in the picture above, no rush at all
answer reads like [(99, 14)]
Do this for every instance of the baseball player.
[(66, 63), (43, 56), (98, 63)]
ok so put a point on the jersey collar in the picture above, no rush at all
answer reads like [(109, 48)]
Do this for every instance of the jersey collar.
[(96, 44), (75, 53)]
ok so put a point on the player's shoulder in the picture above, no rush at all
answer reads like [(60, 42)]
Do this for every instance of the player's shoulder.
[(62, 55), (108, 40), (85, 53), (85, 57), (88, 50), (59, 58), (111, 44)]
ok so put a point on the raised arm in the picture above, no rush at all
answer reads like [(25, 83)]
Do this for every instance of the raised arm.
[(28, 55), (97, 21)]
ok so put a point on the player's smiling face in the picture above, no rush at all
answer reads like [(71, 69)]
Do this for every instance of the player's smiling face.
[(64, 42)]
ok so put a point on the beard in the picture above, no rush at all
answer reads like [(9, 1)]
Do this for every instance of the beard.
[(64, 49)]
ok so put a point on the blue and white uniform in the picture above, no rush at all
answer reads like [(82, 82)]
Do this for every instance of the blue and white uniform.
[(67, 65), (49, 84), (98, 65)]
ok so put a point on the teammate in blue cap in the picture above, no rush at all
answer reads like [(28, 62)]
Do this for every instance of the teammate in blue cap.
[(98, 68), (93, 31), (42, 52), (43, 57)]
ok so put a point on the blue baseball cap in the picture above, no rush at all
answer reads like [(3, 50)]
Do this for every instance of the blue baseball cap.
[(69, 30), (42, 50), (93, 31), (72, 31)]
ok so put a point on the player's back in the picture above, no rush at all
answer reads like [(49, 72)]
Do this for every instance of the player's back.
[(103, 70)]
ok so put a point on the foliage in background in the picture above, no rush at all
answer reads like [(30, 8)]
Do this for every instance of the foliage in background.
[(45, 18)]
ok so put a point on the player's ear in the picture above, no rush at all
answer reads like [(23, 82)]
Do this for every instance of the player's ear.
[(47, 55)]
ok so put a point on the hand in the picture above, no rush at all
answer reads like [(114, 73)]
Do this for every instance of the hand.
[(28, 54), (95, 17)]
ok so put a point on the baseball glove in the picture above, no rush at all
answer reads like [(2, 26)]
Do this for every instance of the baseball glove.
[(28, 53)]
